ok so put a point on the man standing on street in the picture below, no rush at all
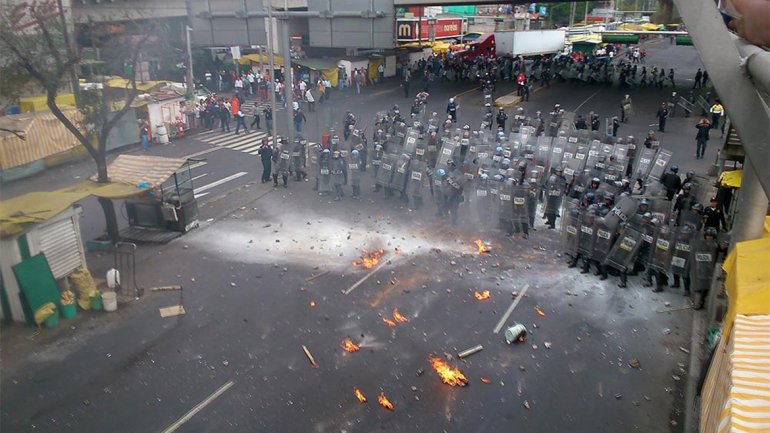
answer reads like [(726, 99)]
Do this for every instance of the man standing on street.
[(405, 86), (662, 115), (299, 119), (714, 217), (240, 122), (266, 155), (625, 109), (615, 126), (310, 100), (501, 118), (269, 119), (698, 77), (702, 137)]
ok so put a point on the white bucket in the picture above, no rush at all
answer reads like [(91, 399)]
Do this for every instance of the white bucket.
[(110, 301)]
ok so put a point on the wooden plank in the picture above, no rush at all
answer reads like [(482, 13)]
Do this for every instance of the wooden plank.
[(174, 310)]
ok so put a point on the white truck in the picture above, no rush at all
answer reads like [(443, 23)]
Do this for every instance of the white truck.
[(529, 42)]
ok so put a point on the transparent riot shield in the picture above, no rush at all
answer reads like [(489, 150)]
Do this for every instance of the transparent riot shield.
[(324, 175), (660, 208), (543, 151), (385, 173), (578, 186), (643, 163), (570, 226), (704, 255), (494, 201), (557, 153), (624, 251), (400, 172), (680, 258), (554, 192), (662, 249), (410, 141), (605, 237), (594, 150), (570, 146), (661, 161), (446, 153), (298, 156), (480, 202), (575, 165), (416, 181), (587, 234), (506, 201), (519, 199), (623, 210)]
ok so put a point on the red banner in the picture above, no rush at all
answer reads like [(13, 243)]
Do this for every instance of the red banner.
[(413, 30)]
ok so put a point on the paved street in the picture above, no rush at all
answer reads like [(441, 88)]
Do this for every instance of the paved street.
[(596, 359)]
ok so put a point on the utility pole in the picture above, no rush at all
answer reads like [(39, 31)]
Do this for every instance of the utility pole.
[(271, 87), (585, 18), (288, 76), (573, 5), (190, 82), (70, 53)]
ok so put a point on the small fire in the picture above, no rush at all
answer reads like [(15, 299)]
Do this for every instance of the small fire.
[(359, 395), (390, 323), (486, 380), (349, 346), (369, 260), (539, 311), (481, 246), (384, 402), (398, 317), (450, 376), (481, 295)]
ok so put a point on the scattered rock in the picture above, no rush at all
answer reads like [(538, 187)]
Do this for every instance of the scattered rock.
[(675, 377), (666, 331), (683, 349), (225, 363), (547, 344), (618, 396), (420, 372), (634, 363), (526, 404), (232, 284), (414, 388)]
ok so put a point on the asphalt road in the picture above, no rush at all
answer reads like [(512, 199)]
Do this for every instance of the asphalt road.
[(235, 362)]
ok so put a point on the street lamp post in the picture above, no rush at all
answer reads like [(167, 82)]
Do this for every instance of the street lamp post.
[(272, 82)]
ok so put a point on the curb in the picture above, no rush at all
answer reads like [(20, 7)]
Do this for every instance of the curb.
[(514, 100)]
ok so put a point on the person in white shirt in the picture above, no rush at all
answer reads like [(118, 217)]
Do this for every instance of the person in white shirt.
[(252, 83), (302, 86), (310, 101), (238, 86)]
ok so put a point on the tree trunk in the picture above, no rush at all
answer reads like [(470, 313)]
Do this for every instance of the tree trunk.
[(108, 207), (668, 10)]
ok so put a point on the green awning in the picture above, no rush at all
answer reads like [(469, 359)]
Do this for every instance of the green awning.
[(316, 64)]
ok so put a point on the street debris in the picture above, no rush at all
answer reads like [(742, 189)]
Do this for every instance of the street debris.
[(369, 260), (516, 333), (481, 296), (450, 376), (683, 349), (174, 310), (312, 304), (309, 356), (390, 323), (539, 311), (165, 288), (526, 404), (482, 247), (384, 402), (398, 318), (486, 380), (319, 275), (419, 372), (547, 344), (634, 363), (359, 395), (618, 396), (348, 345), (468, 352)]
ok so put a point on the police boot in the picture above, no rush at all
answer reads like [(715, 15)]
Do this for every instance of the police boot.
[(602, 272), (285, 181), (275, 181), (676, 282), (586, 266), (623, 280)]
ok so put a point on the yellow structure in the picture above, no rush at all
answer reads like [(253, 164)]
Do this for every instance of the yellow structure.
[(40, 103)]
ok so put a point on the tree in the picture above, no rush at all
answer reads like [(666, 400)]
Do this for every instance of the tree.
[(35, 48)]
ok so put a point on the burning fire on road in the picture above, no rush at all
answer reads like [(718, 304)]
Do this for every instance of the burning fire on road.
[(390, 323), (359, 395), (384, 402), (398, 317), (481, 296), (449, 375), (348, 345), (481, 246), (369, 260)]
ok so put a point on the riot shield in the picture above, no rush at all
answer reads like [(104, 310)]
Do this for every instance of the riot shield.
[(506, 201), (680, 258), (587, 234), (410, 142), (324, 175), (570, 226), (417, 175), (659, 164), (604, 240), (557, 153), (298, 157), (594, 150), (494, 202), (385, 173), (704, 255), (575, 165), (660, 254), (519, 198), (554, 190), (570, 146), (579, 185), (543, 151), (400, 172), (622, 211), (660, 208), (643, 163), (448, 147), (624, 250), (480, 202)]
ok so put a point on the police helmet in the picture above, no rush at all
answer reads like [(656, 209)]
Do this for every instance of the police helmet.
[(687, 186), (596, 180), (354, 152), (690, 174), (506, 161), (499, 149), (336, 153), (710, 231), (559, 169), (654, 221), (674, 168), (450, 162), (327, 151), (697, 207), (483, 176), (440, 172), (609, 196), (590, 197), (644, 202), (647, 215), (451, 100), (466, 127)]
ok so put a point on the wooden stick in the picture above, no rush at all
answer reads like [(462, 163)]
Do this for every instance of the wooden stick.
[(468, 352), (313, 277), (309, 356), (165, 288)]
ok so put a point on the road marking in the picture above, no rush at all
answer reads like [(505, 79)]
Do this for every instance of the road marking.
[(198, 407), (200, 176), (197, 196), (198, 164), (202, 152), (250, 148), (587, 99), (365, 277), (219, 182), (508, 312), (467, 91)]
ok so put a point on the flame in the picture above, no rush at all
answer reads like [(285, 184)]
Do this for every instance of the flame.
[(398, 317), (390, 323), (349, 346), (481, 295), (384, 402), (481, 246), (450, 376), (539, 311), (486, 380), (312, 304), (359, 395), (369, 260)]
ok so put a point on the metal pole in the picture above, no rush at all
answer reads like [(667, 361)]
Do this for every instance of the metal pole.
[(573, 6), (751, 208), (74, 71), (585, 17), (271, 87), (190, 82), (288, 78)]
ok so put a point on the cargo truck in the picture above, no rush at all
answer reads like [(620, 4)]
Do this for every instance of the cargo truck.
[(515, 43)]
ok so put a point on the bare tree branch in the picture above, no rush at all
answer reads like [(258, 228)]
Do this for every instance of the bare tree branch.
[(19, 134)]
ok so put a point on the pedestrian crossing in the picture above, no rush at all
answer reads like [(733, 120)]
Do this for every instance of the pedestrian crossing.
[(243, 142)]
